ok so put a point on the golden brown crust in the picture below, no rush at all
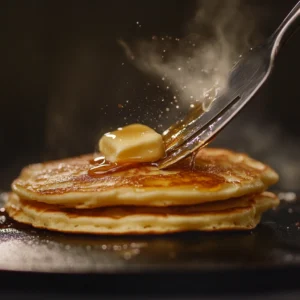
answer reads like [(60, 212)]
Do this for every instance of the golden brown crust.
[(219, 175), (235, 214)]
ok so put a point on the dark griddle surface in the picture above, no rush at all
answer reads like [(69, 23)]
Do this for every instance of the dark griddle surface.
[(274, 246)]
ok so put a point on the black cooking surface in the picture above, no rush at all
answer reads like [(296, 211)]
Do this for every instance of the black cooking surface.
[(275, 242), (274, 246)]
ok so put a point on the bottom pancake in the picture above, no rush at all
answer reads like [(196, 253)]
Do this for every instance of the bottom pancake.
[(234, 214)]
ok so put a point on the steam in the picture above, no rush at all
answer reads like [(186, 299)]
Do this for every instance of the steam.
[(196, 66)]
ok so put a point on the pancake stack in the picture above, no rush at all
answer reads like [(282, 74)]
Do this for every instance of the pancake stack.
[(223, 191)]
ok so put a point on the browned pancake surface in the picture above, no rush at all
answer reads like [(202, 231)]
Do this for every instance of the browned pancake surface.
[(219, 174), (235, 214)]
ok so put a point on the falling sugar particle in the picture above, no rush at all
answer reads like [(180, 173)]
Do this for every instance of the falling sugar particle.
[(288, 197), (162, 100), (167, 87), (164, 50), (167, 109), (117, 248), (192, 97), (179, 69), (163, 78), (127, 255), (174, 97), (137, 22), (192, 105), (177, 106), (120, 105), (136, 251)]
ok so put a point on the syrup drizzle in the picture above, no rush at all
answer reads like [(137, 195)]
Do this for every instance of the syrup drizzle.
[(101, 166)]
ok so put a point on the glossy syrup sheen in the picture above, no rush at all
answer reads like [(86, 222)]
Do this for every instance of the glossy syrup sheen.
[(187, 173), (101, 166)]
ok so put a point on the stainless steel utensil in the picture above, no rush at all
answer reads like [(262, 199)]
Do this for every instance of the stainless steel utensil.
[(245, 79)]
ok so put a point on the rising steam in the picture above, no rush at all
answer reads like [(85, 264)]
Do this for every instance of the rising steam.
[(196, 66)]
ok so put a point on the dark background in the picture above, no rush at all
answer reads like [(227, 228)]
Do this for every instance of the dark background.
[(63, 75)]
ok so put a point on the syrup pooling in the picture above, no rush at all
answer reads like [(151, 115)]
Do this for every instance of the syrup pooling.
[(101, 166)]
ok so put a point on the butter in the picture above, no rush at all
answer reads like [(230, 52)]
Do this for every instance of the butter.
[(132, 143)]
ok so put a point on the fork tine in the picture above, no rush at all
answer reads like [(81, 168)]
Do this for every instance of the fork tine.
[(245, 79), (177, 135), (171, 134), (207, 131)]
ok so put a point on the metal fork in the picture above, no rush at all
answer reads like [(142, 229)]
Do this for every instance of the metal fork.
[(199, 127)]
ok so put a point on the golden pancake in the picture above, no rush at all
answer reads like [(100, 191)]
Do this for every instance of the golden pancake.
[(236, 214), (219, 174)]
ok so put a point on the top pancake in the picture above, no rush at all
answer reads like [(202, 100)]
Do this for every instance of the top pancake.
[(219, 174)]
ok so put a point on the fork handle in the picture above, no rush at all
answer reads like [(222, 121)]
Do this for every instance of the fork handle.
[(286, 29)]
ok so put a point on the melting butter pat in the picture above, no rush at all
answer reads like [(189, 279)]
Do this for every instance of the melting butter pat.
[(132, 143)]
